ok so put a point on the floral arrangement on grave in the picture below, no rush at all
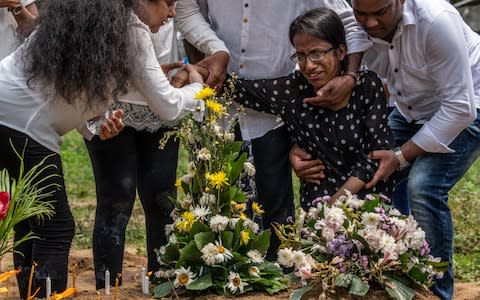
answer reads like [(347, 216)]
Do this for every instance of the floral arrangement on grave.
[(20, 199), (357, 244), (214, 245)]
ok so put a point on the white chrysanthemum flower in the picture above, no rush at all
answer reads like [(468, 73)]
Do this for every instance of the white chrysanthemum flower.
[(249, 223), (298, 258), (209, 251), (387, 243), (207, 199), (229, 136), (285, 257), (249, 168), (183, 277), (355, 203), (218, 223), (223, 254), (204, 154), (233, 222), (191, 168), (312, 213), (186, 202), (370, 219), (254, 271), (217, 130), (187, 178), (169, 229), (172, 239), (254, 256), (235, 283), (417, 239), (334, 216), (201, 212)]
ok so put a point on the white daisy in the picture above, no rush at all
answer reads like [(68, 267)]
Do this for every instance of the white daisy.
[(298, 258), (251, 224), (204, 154), (254, 271), (191, 168), (254, 256), (370, 219), (223, 254), (183, 277), (207, 199), (235, 283)]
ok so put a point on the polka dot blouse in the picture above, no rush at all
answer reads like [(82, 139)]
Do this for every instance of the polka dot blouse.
[(342, 139)]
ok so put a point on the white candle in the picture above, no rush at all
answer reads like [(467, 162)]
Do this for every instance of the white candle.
[(48, 287), (142, 275), (147, 285), (107, 282)]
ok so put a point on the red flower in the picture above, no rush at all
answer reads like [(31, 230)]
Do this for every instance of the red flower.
[(4, 204)]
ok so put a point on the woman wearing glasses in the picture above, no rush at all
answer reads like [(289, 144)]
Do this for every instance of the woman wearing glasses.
[(342, 134)]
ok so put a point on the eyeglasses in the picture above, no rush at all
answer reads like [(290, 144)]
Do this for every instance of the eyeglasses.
[(315, 56)]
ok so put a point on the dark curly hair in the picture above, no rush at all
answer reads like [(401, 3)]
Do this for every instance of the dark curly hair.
[(324, 24), (83, 49)]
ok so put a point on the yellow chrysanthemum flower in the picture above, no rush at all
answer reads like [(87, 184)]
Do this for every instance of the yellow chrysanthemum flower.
[(244, 237), (186, 224), (205, 93), (215, 107), (257, 208), (217, 180), (243, 216), (178, 184), (239, 207)]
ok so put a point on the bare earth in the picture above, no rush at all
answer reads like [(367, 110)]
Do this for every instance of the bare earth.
[(131, 288)]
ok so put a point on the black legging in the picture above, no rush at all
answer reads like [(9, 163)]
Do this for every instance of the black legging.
[(50, 250), (123, 164)]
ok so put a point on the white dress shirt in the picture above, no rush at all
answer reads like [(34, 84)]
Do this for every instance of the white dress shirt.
[(8, 30), (256, 34), (432, 68), (45, 118)]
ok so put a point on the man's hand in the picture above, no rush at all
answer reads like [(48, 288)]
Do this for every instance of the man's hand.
[(333, 93), (112, 126), (388, 164), (308, 169), (217, 66)]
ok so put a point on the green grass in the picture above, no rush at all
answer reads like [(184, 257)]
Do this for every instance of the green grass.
[(464, 203)]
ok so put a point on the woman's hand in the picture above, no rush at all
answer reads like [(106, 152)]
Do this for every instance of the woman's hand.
[(166, 68), (112, 125)]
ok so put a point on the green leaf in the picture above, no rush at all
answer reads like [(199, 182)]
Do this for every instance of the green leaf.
[(227, 239), (189, 255), (298, 293), (162, 290), (201, 283), (398, 290), (369, 206), (344, 280), (237, 167), (172, 253), (196, 228), (203, 238), (262, 241), (417, 275), (358, 287)]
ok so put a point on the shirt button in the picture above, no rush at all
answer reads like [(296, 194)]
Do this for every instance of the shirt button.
[(243, 50), (242, 66), (245, 20), (391, 46), (399, 93), (409, 107), (395, 70), (246, 5)]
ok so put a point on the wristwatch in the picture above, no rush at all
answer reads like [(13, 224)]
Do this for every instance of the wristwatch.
[(402, 162), (17, 9)]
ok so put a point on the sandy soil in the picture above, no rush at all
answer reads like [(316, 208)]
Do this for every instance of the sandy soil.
[(131, 288)]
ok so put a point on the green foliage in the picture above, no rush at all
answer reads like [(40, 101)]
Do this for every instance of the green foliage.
[(27, 200)]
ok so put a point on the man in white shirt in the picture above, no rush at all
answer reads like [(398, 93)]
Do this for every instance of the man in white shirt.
[(16, 18), (255, 33), (431, 61)]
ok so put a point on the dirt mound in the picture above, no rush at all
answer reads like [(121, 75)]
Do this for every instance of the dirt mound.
[(131, 288)]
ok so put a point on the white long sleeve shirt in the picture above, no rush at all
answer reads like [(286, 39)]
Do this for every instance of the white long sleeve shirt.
[(432, 68), (45, 118), (255, 33)]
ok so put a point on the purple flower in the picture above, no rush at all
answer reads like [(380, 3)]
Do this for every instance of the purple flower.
[(425, 249), (289, 219), (340, 247)]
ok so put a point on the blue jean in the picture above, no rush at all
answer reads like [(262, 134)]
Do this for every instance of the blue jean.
[(122, 165), (431, 177)]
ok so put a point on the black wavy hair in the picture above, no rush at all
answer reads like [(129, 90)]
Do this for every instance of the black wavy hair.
[(83, 49), (322, 23)]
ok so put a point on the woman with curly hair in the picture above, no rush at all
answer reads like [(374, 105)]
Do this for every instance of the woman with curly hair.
[(81, 57)]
